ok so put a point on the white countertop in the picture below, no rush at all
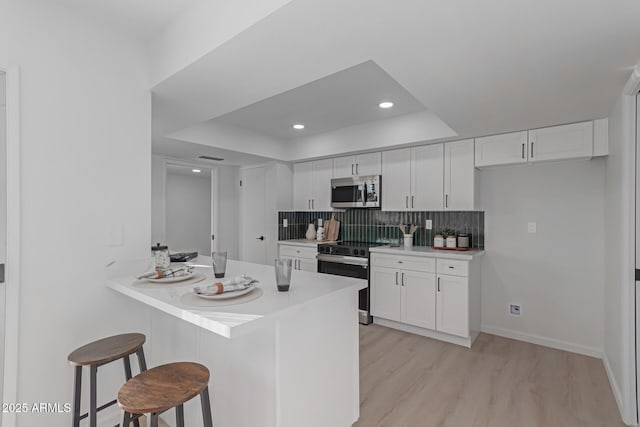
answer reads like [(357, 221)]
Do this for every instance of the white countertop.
[(427, 251), (232, 320), (301, 242)]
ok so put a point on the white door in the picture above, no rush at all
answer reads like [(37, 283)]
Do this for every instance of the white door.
[(344, 166), (321, 185), (302, 186), (561, 142), (427, 177), (452, 305), (385, 293), (505, 149), (3, 221), (369, 164), (419, 299), (459, 176), (253, 246), (396, 179)]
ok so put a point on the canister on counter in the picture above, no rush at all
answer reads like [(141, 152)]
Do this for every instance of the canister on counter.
[(160, 256)]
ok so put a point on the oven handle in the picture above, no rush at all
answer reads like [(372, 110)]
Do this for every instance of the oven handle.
[(341, 259)]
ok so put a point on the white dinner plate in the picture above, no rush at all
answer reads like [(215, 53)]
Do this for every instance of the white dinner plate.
[(172, 279), (226, 295)]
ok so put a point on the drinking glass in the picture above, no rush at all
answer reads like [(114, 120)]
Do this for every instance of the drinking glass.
[(219, 263), (283, 274)]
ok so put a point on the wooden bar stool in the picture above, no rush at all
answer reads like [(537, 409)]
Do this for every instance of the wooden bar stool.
[(96, 354), (164, 387)]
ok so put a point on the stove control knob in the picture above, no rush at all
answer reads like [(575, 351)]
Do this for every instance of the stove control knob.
[(362, 252), (355, 252)]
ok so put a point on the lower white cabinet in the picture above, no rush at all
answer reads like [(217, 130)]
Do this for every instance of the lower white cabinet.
[(440, 300), (302, 258)]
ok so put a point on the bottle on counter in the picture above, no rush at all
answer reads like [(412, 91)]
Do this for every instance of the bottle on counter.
[(320, 231)]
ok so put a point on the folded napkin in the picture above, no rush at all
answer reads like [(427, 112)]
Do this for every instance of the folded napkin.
[(161, 273), (238, 283)]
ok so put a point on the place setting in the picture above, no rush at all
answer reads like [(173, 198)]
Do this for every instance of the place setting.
[(162, 271)]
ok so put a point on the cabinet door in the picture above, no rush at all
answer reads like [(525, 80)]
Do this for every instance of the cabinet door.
[(308, 265), (418, 299), (396, 179), (505, 149), (344, 166), (561, 142), (452, 305), (459, 176), (322, 173), (427, 177), (302, 186), (385, 293), (369, 164)]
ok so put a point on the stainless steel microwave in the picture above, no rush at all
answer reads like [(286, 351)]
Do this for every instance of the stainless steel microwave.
[(356, 192)]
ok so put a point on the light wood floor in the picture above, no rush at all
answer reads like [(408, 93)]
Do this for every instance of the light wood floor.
[(412, 381)]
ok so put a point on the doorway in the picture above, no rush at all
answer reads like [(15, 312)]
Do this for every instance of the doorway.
[(253, 245)]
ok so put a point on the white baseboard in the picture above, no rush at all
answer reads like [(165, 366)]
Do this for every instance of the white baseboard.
[(617, 393), (547, 342)]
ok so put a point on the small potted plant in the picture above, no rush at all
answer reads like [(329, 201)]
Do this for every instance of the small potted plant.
[(451, 239), (438, 239)]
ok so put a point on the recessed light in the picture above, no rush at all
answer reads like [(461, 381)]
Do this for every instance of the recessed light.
[(385, 104), (298, 126), (195, 170)]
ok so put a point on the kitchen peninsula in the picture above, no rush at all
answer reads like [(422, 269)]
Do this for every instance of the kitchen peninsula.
[(284, 359)]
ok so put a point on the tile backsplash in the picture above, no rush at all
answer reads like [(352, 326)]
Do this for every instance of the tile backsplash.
[(363, 225)]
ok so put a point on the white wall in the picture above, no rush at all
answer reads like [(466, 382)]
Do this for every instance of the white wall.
[(228, 235), (556, 274), (619, 256), (158, 200), (279, 197), (3, 215), (189, 212), (85, 148)]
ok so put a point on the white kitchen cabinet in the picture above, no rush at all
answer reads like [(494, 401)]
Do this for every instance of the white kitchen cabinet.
[(385, 291), (561, 142), (302, 258), (418, 299), (396, 180), (453, 305), (312, 185), (505, 149), (362, 164), (427, 177), (460, 176)]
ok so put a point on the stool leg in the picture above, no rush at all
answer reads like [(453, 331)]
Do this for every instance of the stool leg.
[(127, 375), (77, 393), (206, 408), (93, 397), (126, 419), (154, 420), (141, 362), (179, 416)]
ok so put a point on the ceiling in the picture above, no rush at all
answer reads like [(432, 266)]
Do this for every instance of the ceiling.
[(144, 18), (346, 98), (188, 151), (482, 67), (178, 169)]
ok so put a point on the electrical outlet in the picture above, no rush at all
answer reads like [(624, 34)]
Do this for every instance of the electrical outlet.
[(285, 222), (514, 309), (428, 224), (532, 227)]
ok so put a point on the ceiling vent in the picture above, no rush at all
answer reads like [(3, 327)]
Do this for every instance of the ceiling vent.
[(215, 159)]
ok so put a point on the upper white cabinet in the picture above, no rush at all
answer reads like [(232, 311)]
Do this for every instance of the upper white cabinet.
[(362, 164), (509, 148), (427, 177), (312, 185), (460, 176), (561, 142), (545, 144), (396, 180)]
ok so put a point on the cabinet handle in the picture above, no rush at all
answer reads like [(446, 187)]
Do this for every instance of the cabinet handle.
[(523, 150), (313, 202), (357, 168), (396, 278), (402, 279), (309, 204), (406, 201), (446, 200), (352, 169), (412, 201), (438, 284), (532, 149)]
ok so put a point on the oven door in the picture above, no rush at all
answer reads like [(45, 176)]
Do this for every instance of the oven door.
[(350, 267)]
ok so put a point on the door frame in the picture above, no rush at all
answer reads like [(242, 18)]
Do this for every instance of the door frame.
[(12, 272), (241, 209)]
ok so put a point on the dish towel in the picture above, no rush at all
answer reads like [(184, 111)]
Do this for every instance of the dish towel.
[(161, 273), (238, 283)]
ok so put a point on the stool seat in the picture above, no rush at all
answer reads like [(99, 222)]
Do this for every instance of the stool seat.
[(163, 387), (106, 350)]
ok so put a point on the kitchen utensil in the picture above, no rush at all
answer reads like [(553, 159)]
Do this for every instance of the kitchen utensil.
[(283, 273), (226, 295), (332, 229), (160, 256), (172, 279), (219, 260)]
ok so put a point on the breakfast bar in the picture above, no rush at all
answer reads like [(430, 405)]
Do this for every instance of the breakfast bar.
[(280, 359)]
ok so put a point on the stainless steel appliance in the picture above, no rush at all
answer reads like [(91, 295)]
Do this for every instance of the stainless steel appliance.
[(356, 192), (350, 259)]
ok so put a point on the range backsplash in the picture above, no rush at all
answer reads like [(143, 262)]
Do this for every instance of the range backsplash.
[(362, 225)]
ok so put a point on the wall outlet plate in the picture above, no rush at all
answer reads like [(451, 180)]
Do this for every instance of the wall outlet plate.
[(285, 223), (514, 309), (428, 224), (532, 227)]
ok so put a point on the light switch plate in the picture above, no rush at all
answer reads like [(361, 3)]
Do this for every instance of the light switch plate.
[(532, 227), (285, 222), (428, 224)]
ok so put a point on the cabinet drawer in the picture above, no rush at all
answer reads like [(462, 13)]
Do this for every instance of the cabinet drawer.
[(414, 263), (453, 267), (298, 252)]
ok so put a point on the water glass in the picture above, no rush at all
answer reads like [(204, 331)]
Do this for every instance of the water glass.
[(219, 263), (283, 274)]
